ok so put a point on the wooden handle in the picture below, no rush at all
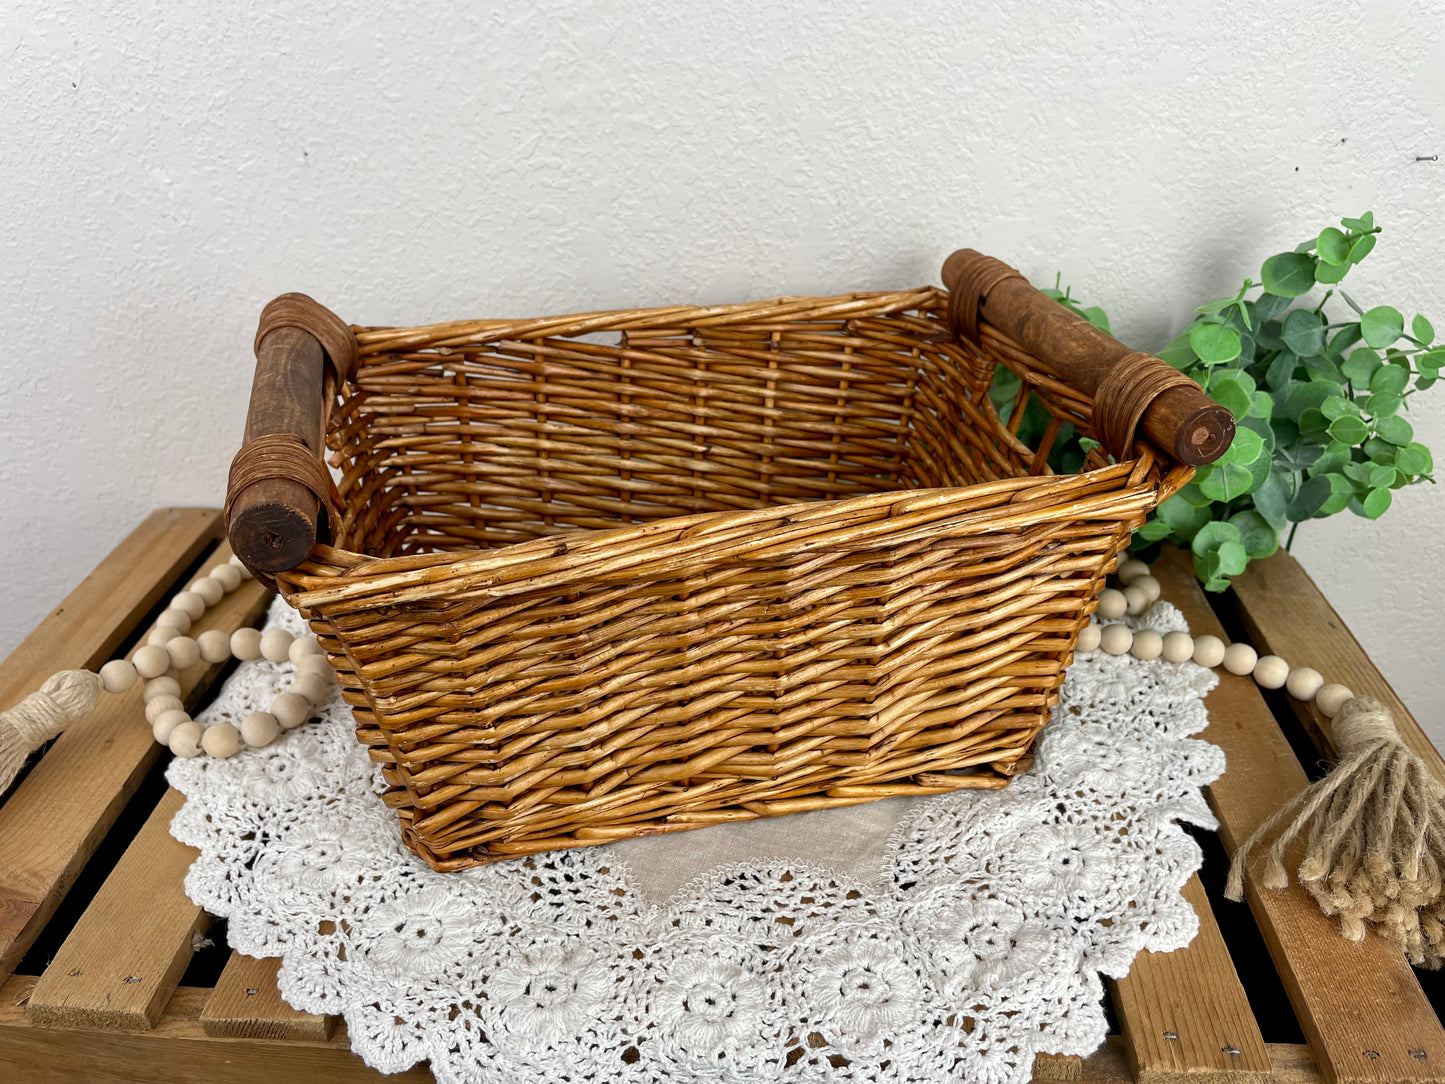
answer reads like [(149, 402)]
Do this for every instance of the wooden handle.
[(273, 521), (1180, 420)]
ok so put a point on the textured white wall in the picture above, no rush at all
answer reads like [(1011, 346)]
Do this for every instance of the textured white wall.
[(166, 168)]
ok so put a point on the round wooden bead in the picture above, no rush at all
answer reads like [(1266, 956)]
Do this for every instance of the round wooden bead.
[(118, 675), (151, 661), (160, 705), (1112, 604), (1150, 586), (221, 740), (259, 729), (1303, 683), (312, 688), (227, 576), (1131, 569), (1240, 659), (291, 710), (1208, 650), (303, 647), (1178, 647), (166, 723), (316, 664), (214, 644), (210, 590), (177, 619), (246, 644), (185, 739), (162, 635), (1088, 638), (1331, 698), (165, 685), (1136, 600), (1115, 639), (184, 652), (276, 645), (1271, 672), (240, 567), (190, 604), (1147, 645)]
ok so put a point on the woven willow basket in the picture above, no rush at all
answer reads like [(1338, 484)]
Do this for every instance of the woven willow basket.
[(599, 576)]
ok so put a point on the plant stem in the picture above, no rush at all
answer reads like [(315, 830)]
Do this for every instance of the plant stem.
[(1289, 542)]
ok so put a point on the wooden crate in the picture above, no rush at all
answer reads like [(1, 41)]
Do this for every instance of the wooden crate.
[(97, 936)]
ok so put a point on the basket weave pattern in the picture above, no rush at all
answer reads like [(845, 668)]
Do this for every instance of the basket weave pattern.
[(622, 573)]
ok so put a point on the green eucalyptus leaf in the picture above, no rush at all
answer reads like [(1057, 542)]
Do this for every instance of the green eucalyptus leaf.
[(1233, 389), (1313, 394), (1341, 494), (1247, 446), (1214, 343), (1233, 558), (1360, 366), (1270, 307), (1260, 405), (1389, 379), (1415, 459), (1422, 330), (1281, 369), (1183, 518), (1345, 338), (1349, 429), (1337, 405), (1323, 367), (1153, 531), (1379, 475), (1213, 535), (1227, 481), (1310, 498), (1098, 317), (1375, 504), (1382, 326), (1179, 353), (1396, 430), (1304, 332), (1332, 245), (1380, 451), (1431, 362), (1329, 274), (1217, 305), (1383, 405), (1289, 274), (1190, 494), (1362, 248), (1260, 539), (1272, 498), (1333, 457), (1313, 424)]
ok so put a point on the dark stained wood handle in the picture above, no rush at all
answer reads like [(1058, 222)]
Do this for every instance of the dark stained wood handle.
[(1182, 421), (274, 522)]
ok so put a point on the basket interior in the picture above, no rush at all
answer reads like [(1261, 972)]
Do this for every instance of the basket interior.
[(499, 441)]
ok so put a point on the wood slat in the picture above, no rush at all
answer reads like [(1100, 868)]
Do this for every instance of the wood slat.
[(1359, 1005), (54, 820), (85, 630), (1184, 1014), (1054, 1067), (1285, 614), (246, 1005), (179, 1049), (121, 962)]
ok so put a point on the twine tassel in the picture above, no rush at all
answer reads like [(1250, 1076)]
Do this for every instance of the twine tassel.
[(1375, 838), (64, 698)]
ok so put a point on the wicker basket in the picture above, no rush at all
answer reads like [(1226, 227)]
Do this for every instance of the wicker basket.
[(600, 576)]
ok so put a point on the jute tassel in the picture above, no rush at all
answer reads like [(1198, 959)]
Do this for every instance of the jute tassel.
[(64, 698), (1376, 845)]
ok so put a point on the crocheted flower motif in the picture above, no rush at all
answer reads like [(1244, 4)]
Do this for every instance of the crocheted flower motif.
[(418, 932), (862, 993), (1067, 860), (549, 994), (709, 1008), (982, 946)]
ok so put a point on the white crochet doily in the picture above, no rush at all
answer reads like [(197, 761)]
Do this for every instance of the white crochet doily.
[(980, 945)]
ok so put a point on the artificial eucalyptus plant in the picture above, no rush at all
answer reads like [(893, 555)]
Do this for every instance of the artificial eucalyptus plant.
[(1318, 400)]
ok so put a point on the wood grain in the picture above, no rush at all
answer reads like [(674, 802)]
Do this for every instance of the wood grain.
[(85, 630), (54, 820), (121, 962), (1359, 1005), (246, 1005), (1285, 614), (1184, 1014)]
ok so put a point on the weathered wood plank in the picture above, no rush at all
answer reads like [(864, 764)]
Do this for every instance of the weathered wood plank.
[(121, 962), (246, 1005), (1359, 1005), (54, 820), (85, 630), (1285, 614), (1184, 1014)]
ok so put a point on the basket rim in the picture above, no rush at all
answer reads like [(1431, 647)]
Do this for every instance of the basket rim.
[(372, 340), (343, 581)]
